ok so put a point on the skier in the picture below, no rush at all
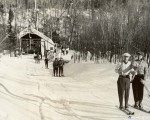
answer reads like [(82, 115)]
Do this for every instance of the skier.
[(41, 55), (38, 58), (141, 68), (61, 65), (67, 51), (46, 62), (55, 67), (124, 70)]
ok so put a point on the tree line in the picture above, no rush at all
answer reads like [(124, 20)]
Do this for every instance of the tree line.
[(97, 26)]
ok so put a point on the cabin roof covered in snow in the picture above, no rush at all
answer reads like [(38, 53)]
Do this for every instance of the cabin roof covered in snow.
[(36, 32)]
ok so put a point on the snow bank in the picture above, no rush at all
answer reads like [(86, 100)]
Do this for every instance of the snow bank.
[(83, 70)]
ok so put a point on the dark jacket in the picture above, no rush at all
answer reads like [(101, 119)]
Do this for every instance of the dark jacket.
[(46, 60), (55, 63), (61, 63)]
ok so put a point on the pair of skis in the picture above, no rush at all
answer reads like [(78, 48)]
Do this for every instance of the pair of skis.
[(126, 111), (141, 109), (129, 112)]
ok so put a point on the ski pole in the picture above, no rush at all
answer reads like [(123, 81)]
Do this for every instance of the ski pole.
[(147, 90)]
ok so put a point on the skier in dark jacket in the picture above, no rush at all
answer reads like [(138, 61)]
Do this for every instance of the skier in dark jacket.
[(46, 62), (141, 68), (61, 65), (55, 67)]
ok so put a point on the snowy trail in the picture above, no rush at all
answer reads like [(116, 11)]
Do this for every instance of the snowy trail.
[(88, 92)]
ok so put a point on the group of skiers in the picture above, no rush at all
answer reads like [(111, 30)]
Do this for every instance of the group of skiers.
[(58, 65), (132, 72), (37, 57)]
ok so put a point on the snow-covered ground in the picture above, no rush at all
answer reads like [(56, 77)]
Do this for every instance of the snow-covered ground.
[(88, 92)]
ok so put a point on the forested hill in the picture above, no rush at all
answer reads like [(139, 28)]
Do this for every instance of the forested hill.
[(85, 25), (66, 3)]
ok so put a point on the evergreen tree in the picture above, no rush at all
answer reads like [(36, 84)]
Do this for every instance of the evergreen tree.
[(11, 33)]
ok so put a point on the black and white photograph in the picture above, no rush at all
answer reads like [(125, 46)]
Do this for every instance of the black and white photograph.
[(74, 59)]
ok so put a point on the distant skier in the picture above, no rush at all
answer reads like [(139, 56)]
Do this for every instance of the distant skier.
[(55, 67), (124, 70), (67, 51), (38, 57), (141, 68), (46, 62), (41, 55), (63, 51), (35, 57), (61, 67)]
